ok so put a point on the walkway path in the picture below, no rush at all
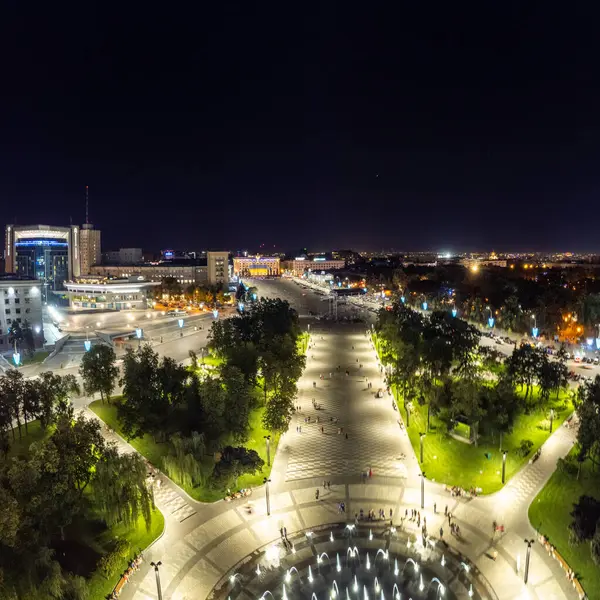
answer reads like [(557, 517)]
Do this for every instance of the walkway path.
[(196, 551)]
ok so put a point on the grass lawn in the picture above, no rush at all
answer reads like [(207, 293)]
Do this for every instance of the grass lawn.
[(450, 461), (549, 514), (203, 493), (20, 447), (138, 537), (144, 445), (38, 357)]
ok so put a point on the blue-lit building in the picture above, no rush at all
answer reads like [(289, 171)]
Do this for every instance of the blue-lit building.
[(51, 255)]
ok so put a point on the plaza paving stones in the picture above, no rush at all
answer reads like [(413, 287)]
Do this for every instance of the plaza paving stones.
[(172, 503), (206, 533)]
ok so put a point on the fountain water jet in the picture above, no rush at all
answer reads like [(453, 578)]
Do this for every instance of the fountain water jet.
[(338, 565), (440, 589), (355, 585), (331, 536), (376, 585), (310, 577), (368, 565), (396, 567), (337, 591), (421, 585), (284, 595), (396, 595), (370, 535)]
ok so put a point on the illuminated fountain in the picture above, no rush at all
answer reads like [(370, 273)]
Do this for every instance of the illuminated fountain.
[(351, 564)]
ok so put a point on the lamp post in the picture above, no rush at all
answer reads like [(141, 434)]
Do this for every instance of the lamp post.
[(267, 497), (551, 419), (422, 475), (408, 415), (157, 574), (421, 438), (268, 443), (139, 333), (534, 329), (180, 323), (202, 350), (504, 465), (529, 544)]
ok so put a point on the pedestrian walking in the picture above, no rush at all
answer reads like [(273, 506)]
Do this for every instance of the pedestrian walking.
[(391, 512), (441, 533), (406, 513), (346, 436), (434, 508), (317, 494), (446, 510), (449, 518), (285, 532)]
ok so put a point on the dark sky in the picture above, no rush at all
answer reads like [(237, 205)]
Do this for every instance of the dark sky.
[(429, 125)]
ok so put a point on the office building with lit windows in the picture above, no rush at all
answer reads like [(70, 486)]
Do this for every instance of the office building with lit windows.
[(20, 302), (50, 254)]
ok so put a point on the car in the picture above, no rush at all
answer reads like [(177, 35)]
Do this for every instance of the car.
[(596, 361), (577, 359)]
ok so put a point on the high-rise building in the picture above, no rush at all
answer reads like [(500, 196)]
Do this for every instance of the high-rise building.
[(218, 268), (89, 248), (52, 255)]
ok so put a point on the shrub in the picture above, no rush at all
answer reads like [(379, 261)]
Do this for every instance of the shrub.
[(525, 447)]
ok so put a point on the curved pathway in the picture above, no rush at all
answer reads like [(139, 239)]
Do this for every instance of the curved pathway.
[(203, 542)]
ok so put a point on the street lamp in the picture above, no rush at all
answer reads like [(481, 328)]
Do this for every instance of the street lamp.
[(156, 573), (534, 329), (529, 544), (268, 443), (180, 323), (422, 476), (421, 438), (424, 305), (454, 312), (491, 320), (139, 332), (504, 465), (551, 419), (267, 497)]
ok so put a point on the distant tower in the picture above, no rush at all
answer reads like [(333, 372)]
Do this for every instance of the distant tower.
[(89, 241), (87, 204)]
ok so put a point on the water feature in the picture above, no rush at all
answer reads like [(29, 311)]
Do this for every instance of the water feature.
[(357, 569)]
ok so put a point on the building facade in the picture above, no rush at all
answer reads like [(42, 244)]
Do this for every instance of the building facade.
[(20, 302), (256, 266), (217, 264), (89, 248), (299, 266), (184, 274), (101, 293), (52, 255)]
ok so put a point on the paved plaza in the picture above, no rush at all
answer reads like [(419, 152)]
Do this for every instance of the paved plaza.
[(203, 542)]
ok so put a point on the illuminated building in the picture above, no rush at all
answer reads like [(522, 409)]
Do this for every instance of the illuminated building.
[(217, 264), (100, 293), (89, 248), (299, 266), (20, 301), (49, 254), (256, 266)]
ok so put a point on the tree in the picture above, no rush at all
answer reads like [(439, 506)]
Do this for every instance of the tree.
[(54, 393), (237, 402), (120, 488), (152, 391), (30, 401), (278, 413), (12, 388), (28, 339), (586, 514), (235, 462), (15, 335), (99, 371), (588, 434)]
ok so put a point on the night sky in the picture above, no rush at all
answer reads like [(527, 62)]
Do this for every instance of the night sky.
[(437, 125)]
